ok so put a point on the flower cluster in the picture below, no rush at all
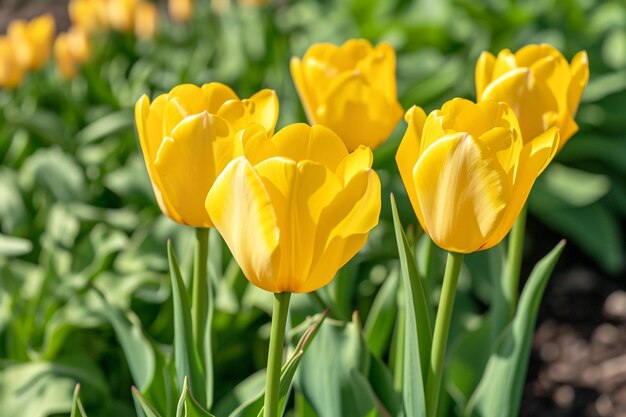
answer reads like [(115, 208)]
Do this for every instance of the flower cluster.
[(296, 206)]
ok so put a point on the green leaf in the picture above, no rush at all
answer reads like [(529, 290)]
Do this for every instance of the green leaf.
[(593, 228), (137, 349), (56, 172), (188, 406), (105, 126), (338, 350), (418, 333), (576, 187), (186, 358), (381, 318), (77, 406), (14, 246), (142, 404), (500, 389), (39, 389)]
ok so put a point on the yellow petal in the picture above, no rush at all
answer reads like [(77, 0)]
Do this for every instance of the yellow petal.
[(187, 164), (534, 158), (216, 94), (63, 56), (379, 69), (184, 100), (305, 91), (180, 10), (256, 145), (148, 121), (505, 62), (484, 72), (462, 192), (298, 192), (409, 151), (530, 98), (359, 160), (318, 143), (580, 77), (358, 113), (343, 227), (263, 109), (240, 209), (146, 20)]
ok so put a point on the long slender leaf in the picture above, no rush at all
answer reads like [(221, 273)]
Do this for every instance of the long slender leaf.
[(142, 405), (500, 389), (186, 359), (77, 406), (188, 406), (418, 336), (382, 315)]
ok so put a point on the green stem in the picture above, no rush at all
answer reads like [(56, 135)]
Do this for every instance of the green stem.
[(200, 292), (275, 355), (440, 336), (319, 300), (514, 260)]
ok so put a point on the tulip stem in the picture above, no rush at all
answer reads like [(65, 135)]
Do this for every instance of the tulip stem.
[(514, 260), (440, 336), (275, 355), (200, 289)]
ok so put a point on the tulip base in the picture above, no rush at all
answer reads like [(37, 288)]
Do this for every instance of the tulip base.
[(275, 355)]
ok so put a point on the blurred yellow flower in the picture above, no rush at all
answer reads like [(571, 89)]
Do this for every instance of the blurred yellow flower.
[(180, 10), (538, 83), (351, 89), (120, 14), (89, 15), (32, 40), (11, 72), (468, 172), (296, 207), (146, 20), (189, 135), (71, 49)]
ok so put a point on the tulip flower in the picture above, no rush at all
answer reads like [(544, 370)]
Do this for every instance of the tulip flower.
[(89, 15), (468, 171), (32, 40), (351, 89), (146, 20), (71, 49), (539, 84), (180, 10), (11, 73), (189, 135), (295, 208)]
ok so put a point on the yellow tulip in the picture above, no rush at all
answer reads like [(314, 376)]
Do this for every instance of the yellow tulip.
[(351, 89), (120, 14), (538, 83), (32, 40), (295, 208), (71, 49), (11, 73), (146, 20), (468, 172), (189, 135), (180, 10), (89, 15)]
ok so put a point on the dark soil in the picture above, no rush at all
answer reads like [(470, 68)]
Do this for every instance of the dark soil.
[(578, 361), (20, 9)]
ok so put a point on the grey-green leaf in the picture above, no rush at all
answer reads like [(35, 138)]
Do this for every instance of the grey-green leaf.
[(500, 389)]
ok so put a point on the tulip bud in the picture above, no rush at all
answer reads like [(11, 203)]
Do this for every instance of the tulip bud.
[(189, 135), (180, 10), (32, 40), (295, 208), (468, 172), (351, 89), (539, 84), (71, 49), (146, 20), (11, 73)]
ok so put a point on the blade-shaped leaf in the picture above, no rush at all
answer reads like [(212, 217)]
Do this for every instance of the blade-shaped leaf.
[(186, 359), (142, 405), (77, 406), (382, 315), (137, 349), (417, 335), (500, 389), (188, 406)]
